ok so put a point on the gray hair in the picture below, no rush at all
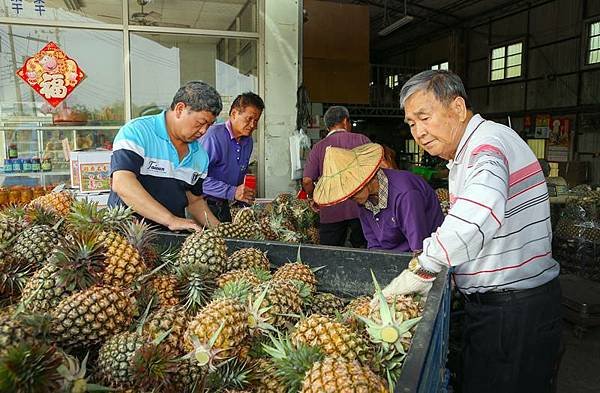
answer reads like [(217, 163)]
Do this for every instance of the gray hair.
[(335, 115), (198, 96), (445, 86)]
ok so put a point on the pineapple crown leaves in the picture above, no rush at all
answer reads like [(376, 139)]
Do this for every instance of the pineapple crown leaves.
[(153, 369), (81, 261), (140, 234), (14, 275), (73, 373), (238, 290), (28, 368), (262, 274), (292, 362), (205, 354), (40, 215), (304, 289), (232, 374), (258, 320), (389, 331), (196, 286)]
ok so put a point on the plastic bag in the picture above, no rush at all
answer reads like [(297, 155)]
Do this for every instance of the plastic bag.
[(299, 145)]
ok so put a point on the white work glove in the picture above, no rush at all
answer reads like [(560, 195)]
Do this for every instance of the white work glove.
[(406, 283)]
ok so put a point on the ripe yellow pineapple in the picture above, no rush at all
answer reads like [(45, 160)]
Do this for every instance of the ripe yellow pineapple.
[(173, 319), (359, 306), (124, 264), (334, 338), (166, 287), (236, 275), (231, 230), (297, 271), (227, 315), (89, 317), (337, 375), (281, 300), (245, 217), (248, 258), (60, 202)]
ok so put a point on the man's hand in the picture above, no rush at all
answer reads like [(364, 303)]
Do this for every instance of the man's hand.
[(313, 205), (244, 194), (183, 224), (407, 282)]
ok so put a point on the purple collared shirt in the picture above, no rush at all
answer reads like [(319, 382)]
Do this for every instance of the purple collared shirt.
[(229, 161), (412, 214), (313, 169)]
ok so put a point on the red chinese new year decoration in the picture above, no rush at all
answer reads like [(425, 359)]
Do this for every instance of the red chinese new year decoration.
[(51, 73)]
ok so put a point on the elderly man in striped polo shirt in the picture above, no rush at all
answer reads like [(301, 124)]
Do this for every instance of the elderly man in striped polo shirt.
[(497, 238)]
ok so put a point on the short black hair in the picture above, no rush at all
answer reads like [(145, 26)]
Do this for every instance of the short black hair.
[(247, 99), (199, 96)]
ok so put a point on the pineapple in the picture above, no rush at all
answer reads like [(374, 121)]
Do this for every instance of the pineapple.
[(281, 301), (312, 235), (337, 375), (245, 217), (19, 328), (13, 276), (89, 317), (115, 358), (188, 375), (334, 338), (248, 258), (36, 243), (74, 266), (442, 194), (297, 271), (142, 236), (124, 264), (236, 275), (205, 248), (265, 380), (168, 319), (11, 224), (60, 202), (230, 230), (360, 306), (233, 376), (327, 304), (166, 287), (225, 321), (153, 370)]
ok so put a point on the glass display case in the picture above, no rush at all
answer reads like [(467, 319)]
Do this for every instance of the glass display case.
[(34, 149)]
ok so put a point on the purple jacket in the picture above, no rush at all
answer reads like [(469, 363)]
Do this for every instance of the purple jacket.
[(412, 214), (229, 161), (314, 169)]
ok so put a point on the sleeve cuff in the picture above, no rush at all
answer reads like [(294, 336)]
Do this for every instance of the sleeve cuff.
[(231, 193), (428, 264)]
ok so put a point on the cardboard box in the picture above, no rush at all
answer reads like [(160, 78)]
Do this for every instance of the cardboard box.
[(574, 172), (94, 171)]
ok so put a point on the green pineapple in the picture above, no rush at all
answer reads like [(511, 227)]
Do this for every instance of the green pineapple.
[(36, 243), (205, 248), (30, 368), (115, 359), (327, 304)]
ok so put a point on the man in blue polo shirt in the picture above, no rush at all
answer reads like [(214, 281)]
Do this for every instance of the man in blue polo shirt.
[(158, 165), (229, 146)]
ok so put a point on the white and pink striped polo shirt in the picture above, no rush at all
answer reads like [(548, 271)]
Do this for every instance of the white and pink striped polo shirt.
[(497, 233)]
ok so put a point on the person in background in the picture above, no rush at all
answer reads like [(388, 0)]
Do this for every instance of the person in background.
[(335, 221), (158, 165), (229, 146), (397, 208), (497, 237)]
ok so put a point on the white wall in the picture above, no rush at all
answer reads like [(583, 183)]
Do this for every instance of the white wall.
[(280, 81)]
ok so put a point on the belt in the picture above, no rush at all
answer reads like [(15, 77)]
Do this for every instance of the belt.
[(502, 297)]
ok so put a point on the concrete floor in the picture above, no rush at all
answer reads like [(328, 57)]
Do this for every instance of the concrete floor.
[(580, 366)]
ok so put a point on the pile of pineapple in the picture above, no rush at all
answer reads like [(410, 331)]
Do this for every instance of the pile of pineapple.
[(285, 219), (89, 299), (444, 199)]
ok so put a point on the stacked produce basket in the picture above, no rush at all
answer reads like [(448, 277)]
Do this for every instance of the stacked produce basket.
[(347, 273)]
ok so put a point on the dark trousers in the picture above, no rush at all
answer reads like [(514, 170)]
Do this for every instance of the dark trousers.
[(335, 233), (220, 209), (512, 347)]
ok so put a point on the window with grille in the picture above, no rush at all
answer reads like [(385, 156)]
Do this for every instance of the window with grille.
[(440, 66), (594, 43), (506, 61), (392, 81)]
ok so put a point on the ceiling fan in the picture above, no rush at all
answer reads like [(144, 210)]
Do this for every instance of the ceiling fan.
[(151, 18)]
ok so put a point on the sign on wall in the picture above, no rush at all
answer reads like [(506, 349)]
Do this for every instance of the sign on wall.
[(51, 73)]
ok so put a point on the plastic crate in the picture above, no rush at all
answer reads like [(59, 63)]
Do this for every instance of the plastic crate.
[(347, 272)]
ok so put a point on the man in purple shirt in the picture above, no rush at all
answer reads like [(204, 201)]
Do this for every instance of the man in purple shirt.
[(229, 147), (335, 221), (398, 209)]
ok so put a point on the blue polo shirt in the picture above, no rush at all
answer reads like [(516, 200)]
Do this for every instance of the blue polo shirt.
[(143, 146)]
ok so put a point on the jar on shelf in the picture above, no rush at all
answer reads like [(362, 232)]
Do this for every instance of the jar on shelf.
[(27, 165), (8, 165), (13, 151), (14, 196), (26, 195), (36, 164), (17, 165), (46, 165)]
